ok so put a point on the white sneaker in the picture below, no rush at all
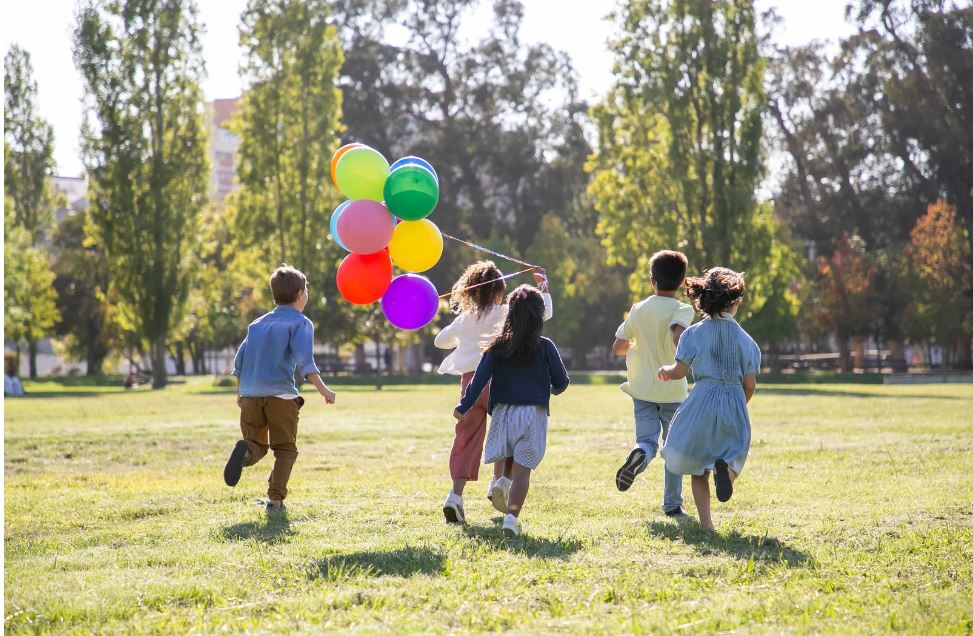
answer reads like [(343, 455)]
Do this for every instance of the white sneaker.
[(500, 492), (511, 526), (453, 508), (493, 482)]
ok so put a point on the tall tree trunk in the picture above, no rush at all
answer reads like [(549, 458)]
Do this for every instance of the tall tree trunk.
[(159, 377), (963, 352), (360, 363), (378, 365), (180, 356), (844, 354), (858, 352), (32, 358)]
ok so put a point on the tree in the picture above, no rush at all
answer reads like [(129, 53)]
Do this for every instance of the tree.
[(938, 264), (28, 148), (27, 169), (917, 60), (842, 298), (81, 283), (288, 124), (145, 151), (29, 298), (678, 157)]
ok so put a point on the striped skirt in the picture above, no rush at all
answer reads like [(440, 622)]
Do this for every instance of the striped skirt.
[(518, 431)]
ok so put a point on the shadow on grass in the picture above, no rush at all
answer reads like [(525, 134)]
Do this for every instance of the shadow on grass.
[(403, 562), (34, 394), (735, 544), (276, 528), (777, 390), (526, 544)]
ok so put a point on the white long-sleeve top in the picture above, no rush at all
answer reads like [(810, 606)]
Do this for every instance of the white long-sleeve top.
[(467, 334)]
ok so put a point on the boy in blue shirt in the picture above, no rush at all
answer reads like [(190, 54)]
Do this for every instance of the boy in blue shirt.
[(277, 344)]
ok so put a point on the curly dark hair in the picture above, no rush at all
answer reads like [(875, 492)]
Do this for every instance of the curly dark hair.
[(714, 291), (481, 298), (520, 333)]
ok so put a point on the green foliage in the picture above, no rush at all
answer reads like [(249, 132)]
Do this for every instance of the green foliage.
[(29, 300), (28, 149), (678, 157), (81, 282), (288, 123), (145, 151)]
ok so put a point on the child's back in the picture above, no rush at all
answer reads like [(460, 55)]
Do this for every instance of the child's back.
[(649, 325)]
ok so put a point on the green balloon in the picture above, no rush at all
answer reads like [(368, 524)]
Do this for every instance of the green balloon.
[(361, 174), (411, 192)]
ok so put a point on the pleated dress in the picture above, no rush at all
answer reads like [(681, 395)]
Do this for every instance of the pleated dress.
[(713, 422)]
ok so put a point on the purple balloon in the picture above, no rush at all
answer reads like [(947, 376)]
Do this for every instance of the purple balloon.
[(411, 302)]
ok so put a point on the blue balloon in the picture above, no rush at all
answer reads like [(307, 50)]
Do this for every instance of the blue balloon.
[(419, 161), (334, 224)]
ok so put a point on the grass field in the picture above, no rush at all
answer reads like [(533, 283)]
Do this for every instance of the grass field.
[(855, 514)]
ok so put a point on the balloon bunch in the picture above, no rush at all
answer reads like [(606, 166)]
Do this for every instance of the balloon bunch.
[(384, 222)]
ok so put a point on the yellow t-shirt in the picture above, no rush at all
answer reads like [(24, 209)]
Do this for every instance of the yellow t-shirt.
[(647, 328)]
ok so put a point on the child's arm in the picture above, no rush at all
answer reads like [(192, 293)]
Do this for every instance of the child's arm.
[(559, 375), (238, 369), (484, 371), (675, 371), (621, 347), (239, 398), (540, 279), (322, 388), (676, 332), (448, 338), (749, 386)]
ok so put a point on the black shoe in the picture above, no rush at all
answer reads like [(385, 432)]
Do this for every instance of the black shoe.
[(234, 465), (272, 508), (721, 477), (676, 512), (634, 464)]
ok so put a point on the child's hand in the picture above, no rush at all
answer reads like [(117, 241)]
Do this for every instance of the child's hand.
[(540, 278), (664, 373), (457, 414), (239, 401), (328, 395)]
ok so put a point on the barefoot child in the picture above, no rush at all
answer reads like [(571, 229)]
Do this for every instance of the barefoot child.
[(648, 339), (477, 297), (277, 344), (525, 369), (711, 429)]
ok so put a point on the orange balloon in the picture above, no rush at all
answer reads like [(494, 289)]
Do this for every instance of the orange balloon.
[(336, 156)]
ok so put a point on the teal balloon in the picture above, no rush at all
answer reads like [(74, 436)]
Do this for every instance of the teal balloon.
[(418, 161), (334, 224), (411, 192)]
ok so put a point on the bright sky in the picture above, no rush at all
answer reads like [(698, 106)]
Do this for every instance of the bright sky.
[(43, 27)]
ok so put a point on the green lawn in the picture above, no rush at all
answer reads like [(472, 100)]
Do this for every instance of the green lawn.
[(855, 514)]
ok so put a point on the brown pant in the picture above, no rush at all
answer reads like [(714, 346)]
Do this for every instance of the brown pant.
[(270, 422), (467, 453)]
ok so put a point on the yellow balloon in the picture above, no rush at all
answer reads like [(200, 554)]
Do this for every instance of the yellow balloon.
[(416, 245)]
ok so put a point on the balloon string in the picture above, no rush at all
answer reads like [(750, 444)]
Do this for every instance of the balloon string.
[(489, 251), (523, 271)]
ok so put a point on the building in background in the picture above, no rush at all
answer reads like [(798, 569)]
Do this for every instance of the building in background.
[(222, 148), (75, 191)]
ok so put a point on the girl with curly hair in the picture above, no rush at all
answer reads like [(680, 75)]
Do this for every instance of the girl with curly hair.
[(710, 431)]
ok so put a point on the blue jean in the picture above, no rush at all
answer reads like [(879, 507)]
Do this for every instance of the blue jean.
[(652, 421)]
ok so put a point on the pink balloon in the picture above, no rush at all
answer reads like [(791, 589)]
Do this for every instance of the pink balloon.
[(365, 227)]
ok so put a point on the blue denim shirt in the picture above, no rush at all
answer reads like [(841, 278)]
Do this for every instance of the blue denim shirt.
[(277, 344)]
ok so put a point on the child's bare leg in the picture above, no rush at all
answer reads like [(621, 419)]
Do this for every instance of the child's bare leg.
[(459, 483), (518, 489), (702, 499), (503, 468)]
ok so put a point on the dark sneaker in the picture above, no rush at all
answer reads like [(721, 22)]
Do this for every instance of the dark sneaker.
[(676, 512), (634, 464), (272, 507), (721, 477), (234, 465)]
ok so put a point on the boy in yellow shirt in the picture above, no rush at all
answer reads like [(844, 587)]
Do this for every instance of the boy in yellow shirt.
[(648, 340)]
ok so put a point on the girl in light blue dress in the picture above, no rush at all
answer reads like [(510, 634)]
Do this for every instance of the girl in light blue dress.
[(710, 431)]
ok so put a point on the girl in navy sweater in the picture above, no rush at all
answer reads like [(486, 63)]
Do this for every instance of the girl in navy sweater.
[(524, 369)]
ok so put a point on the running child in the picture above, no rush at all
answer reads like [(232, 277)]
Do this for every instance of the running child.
[(478, 299), (711, 429), (648, 339), (525, 369), (277, 344)]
